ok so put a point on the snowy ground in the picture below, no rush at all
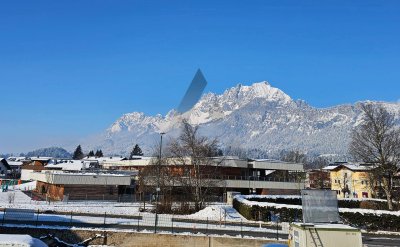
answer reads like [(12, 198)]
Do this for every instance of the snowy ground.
[(215, 212), (20, 240)]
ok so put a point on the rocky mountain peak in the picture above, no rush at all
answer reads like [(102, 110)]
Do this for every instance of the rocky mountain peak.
[(258, 116)]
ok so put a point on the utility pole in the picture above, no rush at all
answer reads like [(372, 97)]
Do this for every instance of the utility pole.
[(158, 183)]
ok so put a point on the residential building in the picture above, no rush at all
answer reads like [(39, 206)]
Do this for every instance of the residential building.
[(252, 176), (318, 179), (4, 168), (36, 164), (73, 165), (59, 185), (351, 180), (16, 164)]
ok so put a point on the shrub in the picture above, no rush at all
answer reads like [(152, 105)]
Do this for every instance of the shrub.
[(371, 222), (369, 205), (344, 203)]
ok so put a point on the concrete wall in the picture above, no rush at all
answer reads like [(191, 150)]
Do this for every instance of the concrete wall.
[(125, 239)]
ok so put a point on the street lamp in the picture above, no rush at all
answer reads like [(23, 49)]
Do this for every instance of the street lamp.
[(158, 182)]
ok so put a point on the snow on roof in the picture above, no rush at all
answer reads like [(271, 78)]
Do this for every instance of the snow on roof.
[(68, 165), (105, 159), (350, 166), (40, 158), (12, 158), (273, 161), (326, 226), (15, 163), (20, 240), (140, 157), (330, 167)]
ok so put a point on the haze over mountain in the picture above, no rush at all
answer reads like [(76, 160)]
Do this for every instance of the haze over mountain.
[(248, 117)]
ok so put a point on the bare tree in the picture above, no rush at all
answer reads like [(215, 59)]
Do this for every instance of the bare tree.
[(198, 167), (148, 178), (11, 197), (377, 141), (294, 157)]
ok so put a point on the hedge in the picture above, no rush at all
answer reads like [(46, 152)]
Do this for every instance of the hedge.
[(256, 212), (371, 222), (378, 205)]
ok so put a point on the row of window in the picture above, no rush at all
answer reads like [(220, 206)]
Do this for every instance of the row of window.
[(337, 181)]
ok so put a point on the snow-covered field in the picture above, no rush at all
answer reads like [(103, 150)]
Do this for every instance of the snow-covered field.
[(20, 241), (216, 212)]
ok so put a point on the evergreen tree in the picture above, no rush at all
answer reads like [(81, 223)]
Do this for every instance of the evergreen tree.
[(136, 151), (91, 153), (78, 154), (99, 153)]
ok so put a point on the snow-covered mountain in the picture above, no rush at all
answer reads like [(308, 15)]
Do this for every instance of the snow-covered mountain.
[(247, 117)]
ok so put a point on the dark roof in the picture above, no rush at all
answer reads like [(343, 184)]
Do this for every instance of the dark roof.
[(5, 163)]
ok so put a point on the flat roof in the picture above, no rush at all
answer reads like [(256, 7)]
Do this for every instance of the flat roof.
[(326, 226)]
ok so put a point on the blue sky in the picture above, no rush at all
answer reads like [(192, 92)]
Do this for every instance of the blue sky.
[(70, 68)]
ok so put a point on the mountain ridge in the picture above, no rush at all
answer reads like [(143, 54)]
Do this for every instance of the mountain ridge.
[(256, 116)]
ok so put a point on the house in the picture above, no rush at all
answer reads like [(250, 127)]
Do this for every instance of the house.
[(72, 165), (318, 179), (351, 180), (4, 168), (248, 176), (60, 185), (35, 164), (101, 160), (16, 164)]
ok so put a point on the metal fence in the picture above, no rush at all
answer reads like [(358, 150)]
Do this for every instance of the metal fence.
[(141, 222)]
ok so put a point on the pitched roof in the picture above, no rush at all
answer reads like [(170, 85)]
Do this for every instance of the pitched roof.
[(350, 166), (5, 163)]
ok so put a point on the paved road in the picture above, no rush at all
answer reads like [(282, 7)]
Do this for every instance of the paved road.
[(372, 240)]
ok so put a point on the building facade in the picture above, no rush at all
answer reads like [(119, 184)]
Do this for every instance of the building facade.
[(253, 176), (351, 180)]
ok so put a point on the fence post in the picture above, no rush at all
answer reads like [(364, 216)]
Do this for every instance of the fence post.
[(105, 216), (138, 224), (70, 222), (277, 229), (37, 217), (207, 227), (86, 199), (241, 228), (172, 228), (4, 215), (225, 217)]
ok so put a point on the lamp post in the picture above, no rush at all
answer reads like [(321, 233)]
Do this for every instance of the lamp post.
[(158, 182)]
